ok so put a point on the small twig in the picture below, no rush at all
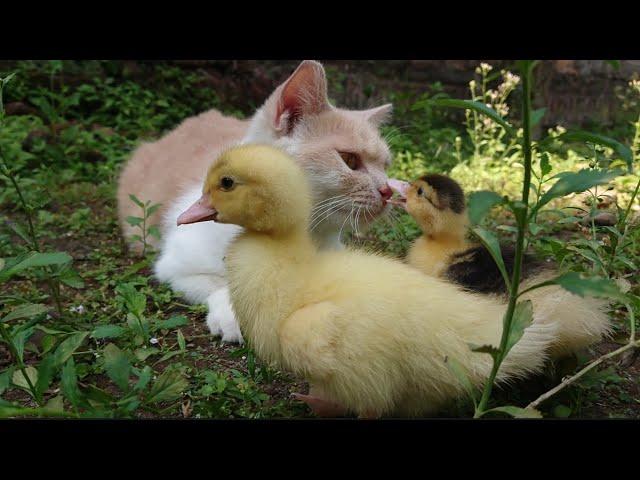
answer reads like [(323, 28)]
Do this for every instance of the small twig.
[(565, 383)]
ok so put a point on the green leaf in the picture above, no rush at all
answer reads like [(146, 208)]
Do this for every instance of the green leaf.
[(143, 353), (68, 346), (476, 106), (140, 326), (32, 259), (135, 200), (19, 339), (108, 331), (8, 78), (17, 228), (175, 321), (545, 164), (181, 342), (536, 116), (29, 310), (97, 396), (572, 182), (117, 366), (535, 229), (135, 302), (71, 278), (153, 209), (154, 231), (621, 149), (460, 373), (19, 379), (490, 349), (522, 318), (143, 378), (69, 383), (480, 203), (46, 371), (1, 263), (490, 241), (168, 387), (589, 286), (55, 405), (517, 412), (134, 221), (5, 380), (562, 411)]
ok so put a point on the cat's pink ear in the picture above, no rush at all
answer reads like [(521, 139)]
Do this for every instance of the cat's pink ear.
[(378, 115), (304, 93)]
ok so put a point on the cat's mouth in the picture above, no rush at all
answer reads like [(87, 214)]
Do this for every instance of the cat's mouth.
[(200, 211), (401, 189), (398, 202)]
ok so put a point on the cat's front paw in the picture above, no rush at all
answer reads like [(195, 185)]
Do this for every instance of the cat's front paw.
[(221, 320), (231, 331), (213, 323)]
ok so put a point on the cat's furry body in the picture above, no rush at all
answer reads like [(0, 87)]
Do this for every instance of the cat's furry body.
[(298, 118)]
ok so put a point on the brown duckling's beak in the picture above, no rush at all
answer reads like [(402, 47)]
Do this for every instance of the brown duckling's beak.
[(401, 188), (201, 211)]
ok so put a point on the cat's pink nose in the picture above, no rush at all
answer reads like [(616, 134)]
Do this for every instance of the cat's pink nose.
[(386, 193)]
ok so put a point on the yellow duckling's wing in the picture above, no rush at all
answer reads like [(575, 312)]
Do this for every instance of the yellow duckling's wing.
[(309, 339)]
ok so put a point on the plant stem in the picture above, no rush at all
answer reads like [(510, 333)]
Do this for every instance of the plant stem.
[(625, 227), (144, 230), (35, 245), (522, 228), (632, 324)]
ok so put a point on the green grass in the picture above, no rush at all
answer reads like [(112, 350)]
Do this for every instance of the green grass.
[(125, 346)]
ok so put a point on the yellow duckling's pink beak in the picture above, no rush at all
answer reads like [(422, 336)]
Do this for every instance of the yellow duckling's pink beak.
[(401, 188), (201, 211)]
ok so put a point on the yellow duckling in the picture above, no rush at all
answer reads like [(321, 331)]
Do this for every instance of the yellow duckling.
[(437, 203), (369, 333)]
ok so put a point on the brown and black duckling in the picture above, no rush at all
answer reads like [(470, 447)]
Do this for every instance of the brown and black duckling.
[(437, 204)]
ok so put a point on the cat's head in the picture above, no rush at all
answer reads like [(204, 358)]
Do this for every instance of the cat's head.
[(341, 150)]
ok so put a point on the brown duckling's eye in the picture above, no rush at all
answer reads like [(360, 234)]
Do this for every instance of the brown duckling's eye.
[(351, 159), (227, 183), (420, 191)]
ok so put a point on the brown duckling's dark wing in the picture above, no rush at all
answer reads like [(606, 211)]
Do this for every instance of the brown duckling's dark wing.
[(475, 270)]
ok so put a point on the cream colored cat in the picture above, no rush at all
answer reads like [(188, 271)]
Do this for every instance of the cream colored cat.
[(340, 150)]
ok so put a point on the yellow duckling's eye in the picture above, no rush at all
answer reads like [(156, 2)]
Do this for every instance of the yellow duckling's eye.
[(351, 159), (227, 183)]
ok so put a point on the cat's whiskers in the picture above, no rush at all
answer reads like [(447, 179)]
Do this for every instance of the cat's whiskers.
[(326, 200), (322, 210), (348, 217), (326, 204), (321, 216), (357, 220)]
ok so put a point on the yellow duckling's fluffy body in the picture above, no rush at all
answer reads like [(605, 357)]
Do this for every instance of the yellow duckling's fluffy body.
[(369, 333)]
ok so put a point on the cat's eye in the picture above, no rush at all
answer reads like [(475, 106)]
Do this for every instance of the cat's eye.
[(350, 159), (227, 183)]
